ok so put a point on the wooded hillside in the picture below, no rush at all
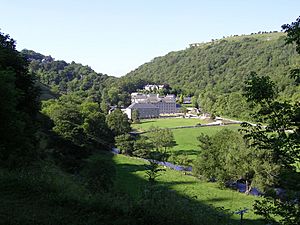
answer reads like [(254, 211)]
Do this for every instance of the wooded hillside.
[(215, 72), (65, 77)]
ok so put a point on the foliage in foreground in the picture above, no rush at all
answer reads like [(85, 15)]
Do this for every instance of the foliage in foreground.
[(18, 108), (280, 137)]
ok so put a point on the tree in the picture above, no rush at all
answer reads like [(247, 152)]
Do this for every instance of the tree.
[(161, 140), (153, 171), (279, 117), (113, 95), (118, 122), (18, 108), (223, 160), (78, 121), (97, 131), (181, 98), (142, 147), (125, 143), (104, 106), (67, 120), (195, 102), (293, 36), (154, 147), (293, 33), (135, 116), (259, 89)]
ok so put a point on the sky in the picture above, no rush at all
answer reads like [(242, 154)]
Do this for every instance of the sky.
[(114, 37)]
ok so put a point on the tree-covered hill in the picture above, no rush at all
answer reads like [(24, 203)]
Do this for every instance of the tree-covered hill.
[(215, 72), (63, 77)]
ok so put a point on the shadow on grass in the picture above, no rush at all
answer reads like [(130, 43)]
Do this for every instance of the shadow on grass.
[(147, 121), (169, 202), (186, 152), (212, 200), (132, 168), (52, 197)]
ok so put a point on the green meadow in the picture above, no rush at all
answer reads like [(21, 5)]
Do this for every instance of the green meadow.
[(131, 179), (186, 138), (131, 176)]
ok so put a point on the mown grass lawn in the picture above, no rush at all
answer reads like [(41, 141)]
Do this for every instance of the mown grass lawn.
[(131, 179), (167, 123)]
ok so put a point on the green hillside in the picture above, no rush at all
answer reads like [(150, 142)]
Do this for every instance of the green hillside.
[(63, 77), (215, 72)]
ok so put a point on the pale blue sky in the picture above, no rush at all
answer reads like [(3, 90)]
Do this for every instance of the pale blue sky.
[(115, 36)]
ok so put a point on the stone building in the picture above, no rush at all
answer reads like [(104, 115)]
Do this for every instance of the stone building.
[(146, 110), (166, 104)]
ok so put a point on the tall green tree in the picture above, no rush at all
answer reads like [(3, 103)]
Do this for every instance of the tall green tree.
[(280, 141), (162, 140), (125, 143), (195, 102), (135, 116), (142, 147), (227, 157), (18, 108), (281, 137), (96, 129), (181, 98), (293, 36), (118, 122)]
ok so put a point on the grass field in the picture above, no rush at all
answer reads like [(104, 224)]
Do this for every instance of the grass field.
[(186, 139), (167, 123), (131, 179)]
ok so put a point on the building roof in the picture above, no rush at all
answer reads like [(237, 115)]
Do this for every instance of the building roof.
[(142, 106), (169, 100)]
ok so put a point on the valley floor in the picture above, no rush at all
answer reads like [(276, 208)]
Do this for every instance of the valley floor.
[(131, 179)]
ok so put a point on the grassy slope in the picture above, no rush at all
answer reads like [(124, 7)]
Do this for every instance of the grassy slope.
[(131, 179), (52, 197), (47, 196)]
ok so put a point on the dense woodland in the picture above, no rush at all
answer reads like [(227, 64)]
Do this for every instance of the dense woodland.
[(51, 152)]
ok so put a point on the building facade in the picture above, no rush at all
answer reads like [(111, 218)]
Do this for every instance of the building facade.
[(166, 104), (145, 110)]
